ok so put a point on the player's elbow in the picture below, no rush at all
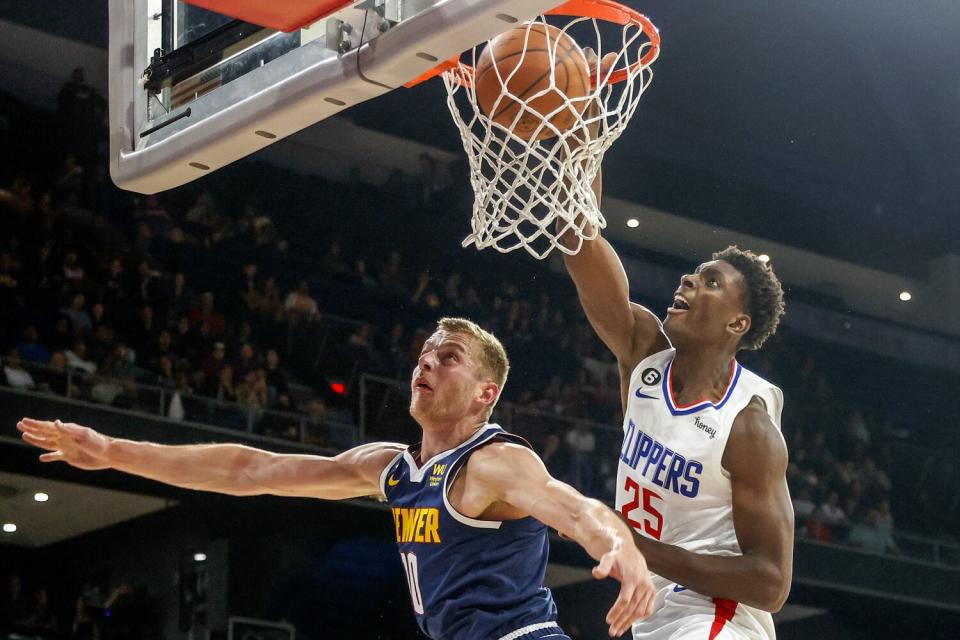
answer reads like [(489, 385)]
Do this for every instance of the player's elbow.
[(773, 590)]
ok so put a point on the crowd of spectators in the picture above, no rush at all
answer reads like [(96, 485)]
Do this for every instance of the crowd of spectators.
[(31, 608), (196, 304)]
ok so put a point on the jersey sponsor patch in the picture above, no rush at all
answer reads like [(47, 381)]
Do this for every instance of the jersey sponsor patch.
[(417, 524), (437, 475), (658, 463)]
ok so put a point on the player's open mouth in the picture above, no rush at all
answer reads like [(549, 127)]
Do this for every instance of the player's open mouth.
[(422, 386), (679, 305)]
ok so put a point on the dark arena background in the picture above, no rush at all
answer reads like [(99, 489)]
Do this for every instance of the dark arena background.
[(282, 300)]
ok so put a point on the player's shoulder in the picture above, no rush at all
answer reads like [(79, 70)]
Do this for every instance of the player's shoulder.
[(500, 453), (500, 460), (754, 437)]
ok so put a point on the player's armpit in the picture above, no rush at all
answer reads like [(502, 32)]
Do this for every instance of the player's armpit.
[(629, 330), (756, 457)]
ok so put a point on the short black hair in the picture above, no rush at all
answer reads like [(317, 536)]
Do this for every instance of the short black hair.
[(762, 294)]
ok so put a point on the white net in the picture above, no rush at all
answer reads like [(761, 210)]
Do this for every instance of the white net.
[(535, 191)]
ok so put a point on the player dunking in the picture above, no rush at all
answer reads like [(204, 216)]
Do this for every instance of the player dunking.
[(702, 471), (471, 503)]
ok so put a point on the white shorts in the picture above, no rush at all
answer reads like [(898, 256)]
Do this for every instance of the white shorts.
[(681, 614)]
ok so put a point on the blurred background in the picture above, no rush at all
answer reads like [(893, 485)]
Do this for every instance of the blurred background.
[(282, 301)]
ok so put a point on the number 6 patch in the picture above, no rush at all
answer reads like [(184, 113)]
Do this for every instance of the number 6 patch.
[(650, 376)]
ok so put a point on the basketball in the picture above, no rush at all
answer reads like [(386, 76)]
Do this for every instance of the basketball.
[(542, 69)]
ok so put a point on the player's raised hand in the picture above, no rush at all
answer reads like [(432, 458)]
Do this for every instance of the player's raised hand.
[(606, 64), (626, 564), (78, 446)]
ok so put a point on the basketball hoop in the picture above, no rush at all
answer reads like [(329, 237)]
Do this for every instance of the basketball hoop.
[(531, 190)]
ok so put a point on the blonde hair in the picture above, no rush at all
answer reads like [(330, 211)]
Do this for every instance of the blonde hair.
[(494, 364)]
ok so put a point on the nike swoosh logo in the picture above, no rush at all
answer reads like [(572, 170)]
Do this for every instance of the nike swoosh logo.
[(392, 482), (677, 588), (643, 395)]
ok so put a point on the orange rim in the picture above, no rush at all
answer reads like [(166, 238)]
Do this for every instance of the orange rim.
[(606, 10)]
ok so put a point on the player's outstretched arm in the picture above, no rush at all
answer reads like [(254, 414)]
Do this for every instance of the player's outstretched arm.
[(232, 469), (756, 458), (629, 330), (514, 475)]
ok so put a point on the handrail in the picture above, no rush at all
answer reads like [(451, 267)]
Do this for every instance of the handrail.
[(253, 414)]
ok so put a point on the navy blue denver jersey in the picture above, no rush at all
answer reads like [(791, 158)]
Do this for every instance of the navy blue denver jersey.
[(469, 579)]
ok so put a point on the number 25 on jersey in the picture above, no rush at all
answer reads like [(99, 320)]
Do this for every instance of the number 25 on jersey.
[(647, 501)]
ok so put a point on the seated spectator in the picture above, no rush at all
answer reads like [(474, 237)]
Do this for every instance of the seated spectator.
[(162, 347), (392, 277), (166, 376), (77, 314), (555, 456), (213, 363), (14, 373), (63, 336), (277, 385), (148, 282), (803, 506), (108, 385), (176, 296), (144, 330), (72, 272), (114, 289), (245, 362), (101, 346), (868, 535), (281, 425), (252, 395), (299, 305), (365, 355), (250, 292), (316, 432), (187, 342), (76, 358), (53, 379), (831, 515), (226, 391), (177, 409), (206, 319)]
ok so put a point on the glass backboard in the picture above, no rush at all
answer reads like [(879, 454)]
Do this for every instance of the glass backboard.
[(192, 90)]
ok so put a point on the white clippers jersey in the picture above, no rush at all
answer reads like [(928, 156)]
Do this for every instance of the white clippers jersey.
[(671, 487)]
